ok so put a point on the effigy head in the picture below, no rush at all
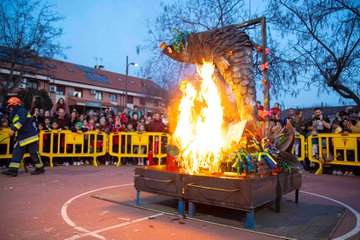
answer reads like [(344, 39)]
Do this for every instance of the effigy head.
[(180, 56), (178, 48)]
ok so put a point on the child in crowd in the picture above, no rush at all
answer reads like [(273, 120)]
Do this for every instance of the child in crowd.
[(141, 129), (315, 145), (275, 111), (336, 126), (278, 123), (58, 144), (129, 128), (78, 128), (324, 158), (47, 123), (99, 140), (4, 123), (104, 126), (91, 124), (116, 138), (46, 142)]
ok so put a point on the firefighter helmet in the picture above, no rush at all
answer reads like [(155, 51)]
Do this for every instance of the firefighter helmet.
[(14, 101)]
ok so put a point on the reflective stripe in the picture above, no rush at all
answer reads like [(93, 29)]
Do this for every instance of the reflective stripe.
[(28, 115), (29, 140), (39, 165), (14, 165), (16, 118), (17, 125)]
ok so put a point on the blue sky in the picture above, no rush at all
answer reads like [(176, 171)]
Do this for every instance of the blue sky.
[(111, 30)]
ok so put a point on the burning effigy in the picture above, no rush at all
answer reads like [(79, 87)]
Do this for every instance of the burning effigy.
[(219, 154), (207, 136)]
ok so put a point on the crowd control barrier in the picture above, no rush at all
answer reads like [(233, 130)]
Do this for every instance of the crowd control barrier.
[(299, 148), (64, 143), (151, 145), (6, 145), (335, 148)]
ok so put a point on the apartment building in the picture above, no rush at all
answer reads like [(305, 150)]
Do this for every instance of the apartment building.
[(85, 87)]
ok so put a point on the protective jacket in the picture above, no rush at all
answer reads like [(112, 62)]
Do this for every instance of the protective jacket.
[(23, 125)]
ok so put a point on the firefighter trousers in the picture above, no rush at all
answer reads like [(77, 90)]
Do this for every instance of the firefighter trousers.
[(18, 154)]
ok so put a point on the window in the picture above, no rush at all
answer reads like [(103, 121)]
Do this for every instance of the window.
[(77, 93), (10, 84), (99, 95), (60, 90), (142, 101), (130, 99), (33, 85), (52, 65), (113, 97)]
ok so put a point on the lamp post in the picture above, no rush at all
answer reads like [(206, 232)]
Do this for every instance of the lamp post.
[(126, 78)]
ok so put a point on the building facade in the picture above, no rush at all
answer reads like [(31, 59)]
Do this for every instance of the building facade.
[(85, 88)]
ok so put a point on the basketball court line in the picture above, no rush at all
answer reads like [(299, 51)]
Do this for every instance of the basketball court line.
[(66, 218), (86, 232), (356, 229)]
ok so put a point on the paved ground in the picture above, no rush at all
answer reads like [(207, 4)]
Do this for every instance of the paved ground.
[(59, 205)]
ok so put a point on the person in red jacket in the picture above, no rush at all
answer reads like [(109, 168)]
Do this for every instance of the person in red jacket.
[(157, 124)]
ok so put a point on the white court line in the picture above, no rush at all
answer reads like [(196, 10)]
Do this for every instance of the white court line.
[(112, 227), (71, 223), (356, 229)]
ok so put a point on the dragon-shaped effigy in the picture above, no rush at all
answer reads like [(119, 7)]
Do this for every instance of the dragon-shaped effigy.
[(231, 50)]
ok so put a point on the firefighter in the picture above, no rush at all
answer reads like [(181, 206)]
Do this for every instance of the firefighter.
[(26, 138)]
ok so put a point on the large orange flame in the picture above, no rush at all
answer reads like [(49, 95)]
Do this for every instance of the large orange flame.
[(201, 134)]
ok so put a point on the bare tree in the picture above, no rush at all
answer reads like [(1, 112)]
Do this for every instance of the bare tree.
[(319, 47), (182, 16), (28, 36)]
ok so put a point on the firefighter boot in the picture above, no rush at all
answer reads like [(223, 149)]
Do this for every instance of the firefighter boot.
[(10, 172), (38, 171)]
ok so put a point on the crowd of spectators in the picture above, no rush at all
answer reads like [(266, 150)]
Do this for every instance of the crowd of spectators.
[(346, 121), (106, 120), (60, 117)]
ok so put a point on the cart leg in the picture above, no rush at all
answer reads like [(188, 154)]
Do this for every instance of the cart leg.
[(180, 207), (277, 204), (137, 197), (250, 219), (191, 209), (297, 195)]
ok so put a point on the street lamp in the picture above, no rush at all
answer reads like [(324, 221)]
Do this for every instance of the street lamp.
[(126, 77)]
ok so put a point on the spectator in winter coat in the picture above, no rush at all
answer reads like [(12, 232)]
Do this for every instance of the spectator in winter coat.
[(157, 124)]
